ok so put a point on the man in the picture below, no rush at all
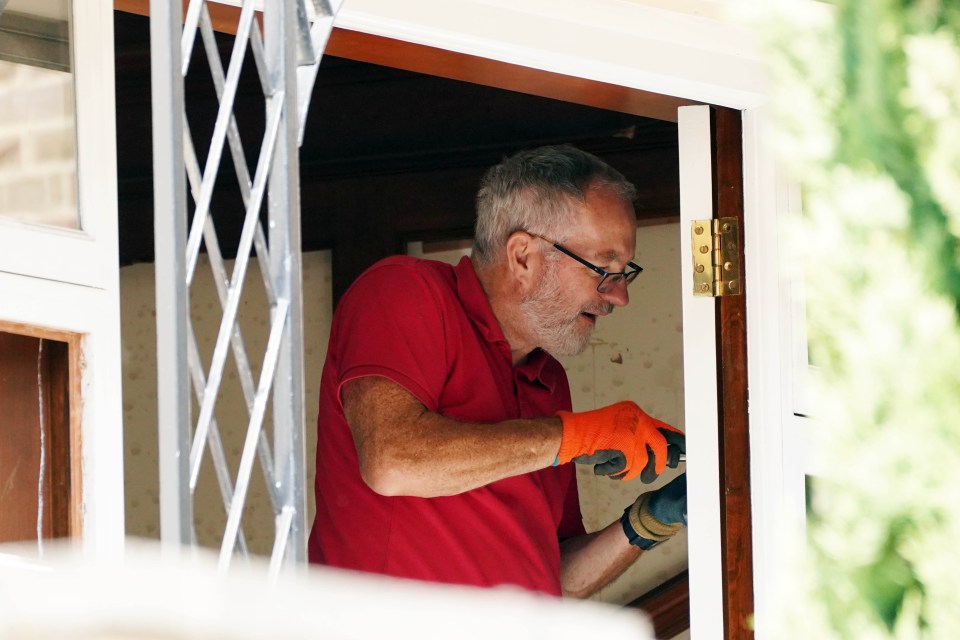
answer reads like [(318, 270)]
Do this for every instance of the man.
[(445, 423)]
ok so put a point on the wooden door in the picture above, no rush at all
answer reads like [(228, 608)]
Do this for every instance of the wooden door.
[(35, 460), (715, 383)]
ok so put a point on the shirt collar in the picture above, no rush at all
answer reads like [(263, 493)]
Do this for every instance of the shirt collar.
[(475, 302), (477, 306), (532, 369)]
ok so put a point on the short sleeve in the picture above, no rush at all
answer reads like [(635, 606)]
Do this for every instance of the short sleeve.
[(390, 323)]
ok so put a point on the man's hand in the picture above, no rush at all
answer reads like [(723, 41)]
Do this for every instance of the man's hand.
[(621, 441), (656, 516)]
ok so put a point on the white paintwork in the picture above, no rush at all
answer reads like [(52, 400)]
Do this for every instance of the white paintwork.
[(678, 51), (94, 314), (700, 384), (715, 9), (765, 356), (69, 281), (151, 595), (627, 44)]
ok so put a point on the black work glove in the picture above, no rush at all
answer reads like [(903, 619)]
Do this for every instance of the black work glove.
[(658, 515)]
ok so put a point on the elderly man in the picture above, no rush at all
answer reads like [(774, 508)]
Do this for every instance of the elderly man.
[(445, 423)]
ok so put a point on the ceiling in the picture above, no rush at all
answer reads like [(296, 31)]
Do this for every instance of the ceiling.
[(388, 156)]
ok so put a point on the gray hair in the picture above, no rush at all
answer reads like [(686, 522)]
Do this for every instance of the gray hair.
[(536, 191)]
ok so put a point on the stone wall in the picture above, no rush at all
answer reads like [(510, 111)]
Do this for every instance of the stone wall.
[(38, 168)]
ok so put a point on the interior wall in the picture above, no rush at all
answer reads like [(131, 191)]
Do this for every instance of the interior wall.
[(138, 318), (636, 354)]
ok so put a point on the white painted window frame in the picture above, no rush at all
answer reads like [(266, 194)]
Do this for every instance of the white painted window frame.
[(799, 455), (85, 256), (684, 50), (68, 281)]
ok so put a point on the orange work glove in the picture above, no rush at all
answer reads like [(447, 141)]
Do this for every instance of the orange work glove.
[(621, 440)]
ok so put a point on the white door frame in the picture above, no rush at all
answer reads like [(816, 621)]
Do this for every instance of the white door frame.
[(688, 52), (700, 384)]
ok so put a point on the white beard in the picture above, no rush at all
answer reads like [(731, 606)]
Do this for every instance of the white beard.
[(554, 327)]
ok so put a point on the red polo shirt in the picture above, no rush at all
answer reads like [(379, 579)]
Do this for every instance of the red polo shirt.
[(428, 327)]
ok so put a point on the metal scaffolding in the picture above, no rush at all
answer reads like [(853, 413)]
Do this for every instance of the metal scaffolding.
[(287, 55)]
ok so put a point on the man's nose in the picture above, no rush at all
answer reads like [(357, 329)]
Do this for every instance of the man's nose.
[(618, 295)]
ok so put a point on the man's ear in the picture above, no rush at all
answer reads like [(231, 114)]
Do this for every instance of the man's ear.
[(524, 260)]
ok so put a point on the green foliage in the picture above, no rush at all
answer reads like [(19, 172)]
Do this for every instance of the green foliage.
[(869, 120), (881, 126)]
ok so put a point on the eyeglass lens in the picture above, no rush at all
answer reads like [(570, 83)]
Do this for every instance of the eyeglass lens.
[(613, 279)]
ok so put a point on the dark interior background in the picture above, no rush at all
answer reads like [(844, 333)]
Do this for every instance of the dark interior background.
[(389, 156)]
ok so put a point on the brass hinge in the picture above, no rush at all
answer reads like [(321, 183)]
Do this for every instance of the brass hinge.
[(716, 257)]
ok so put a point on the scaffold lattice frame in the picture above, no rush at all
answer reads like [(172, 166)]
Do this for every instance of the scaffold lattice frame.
[(286, 54)]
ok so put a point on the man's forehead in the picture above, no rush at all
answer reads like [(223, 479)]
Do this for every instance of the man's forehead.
[(604, 227), (606, 242)]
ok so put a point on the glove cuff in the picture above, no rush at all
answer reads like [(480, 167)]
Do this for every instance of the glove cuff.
[(567, 442), (642, 529)]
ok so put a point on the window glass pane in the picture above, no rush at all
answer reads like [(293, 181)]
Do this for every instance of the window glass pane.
[(38, 165)]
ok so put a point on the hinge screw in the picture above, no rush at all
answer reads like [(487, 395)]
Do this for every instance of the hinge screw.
[(698, 229), (704, 248), (704, 288), (699, 268)]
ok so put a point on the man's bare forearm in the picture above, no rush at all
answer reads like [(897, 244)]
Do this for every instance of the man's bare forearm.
[(592, 561), (404, 449)]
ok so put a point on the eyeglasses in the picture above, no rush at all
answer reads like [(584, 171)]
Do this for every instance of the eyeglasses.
[(607, 280)]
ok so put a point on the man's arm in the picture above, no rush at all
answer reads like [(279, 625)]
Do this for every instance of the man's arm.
[(592, 561), (404, 449)]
